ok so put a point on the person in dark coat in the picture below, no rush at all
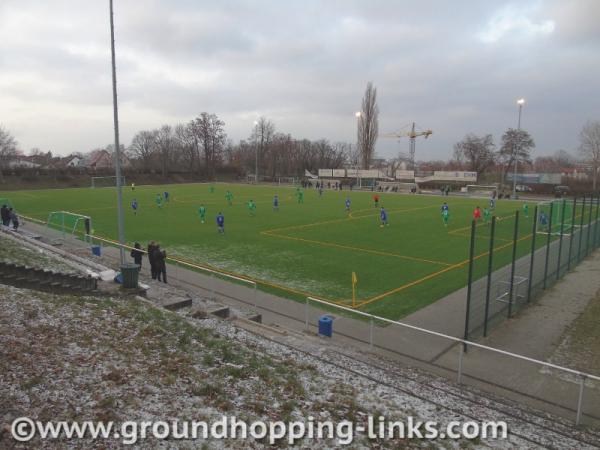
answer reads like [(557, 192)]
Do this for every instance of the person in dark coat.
[(137, 254), (161, 265), (14, 219), (151, 249), (5, 215)]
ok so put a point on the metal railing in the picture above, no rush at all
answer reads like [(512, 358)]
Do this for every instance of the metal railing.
[(463, 344)]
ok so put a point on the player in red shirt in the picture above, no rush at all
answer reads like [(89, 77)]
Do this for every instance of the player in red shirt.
[(376, 200), (477, 214)]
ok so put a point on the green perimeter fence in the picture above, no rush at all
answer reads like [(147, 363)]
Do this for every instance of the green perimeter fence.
[(514, 258)]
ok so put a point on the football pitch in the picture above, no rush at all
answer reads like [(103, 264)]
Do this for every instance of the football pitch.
[(308, 248)]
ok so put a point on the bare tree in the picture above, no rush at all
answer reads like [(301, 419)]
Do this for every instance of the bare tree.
[(368, 125), (262, 135), (143, 147), (8, 150), (165, 144), (477, 151), (186, 144), (590, 147), (515, 142), (210, 132)]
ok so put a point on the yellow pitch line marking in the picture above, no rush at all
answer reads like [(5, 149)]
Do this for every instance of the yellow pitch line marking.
[(352, 248), (433, 275)]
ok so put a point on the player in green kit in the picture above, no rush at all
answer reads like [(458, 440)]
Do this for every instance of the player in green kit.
[(526, 210), (252, 208), (229, 197), (300, 196), (487, 215), (211, 189), (202, 213), (159, 201)]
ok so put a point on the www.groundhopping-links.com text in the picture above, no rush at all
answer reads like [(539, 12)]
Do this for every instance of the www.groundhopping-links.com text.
[(24, 429)]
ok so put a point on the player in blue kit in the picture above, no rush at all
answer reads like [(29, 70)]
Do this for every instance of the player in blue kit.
[(134, 206), (221, 223), (348, 203), (384, 218), (276, 203)]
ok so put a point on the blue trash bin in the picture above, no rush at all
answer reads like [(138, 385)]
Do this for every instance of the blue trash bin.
[(96, 250), (325, 326)]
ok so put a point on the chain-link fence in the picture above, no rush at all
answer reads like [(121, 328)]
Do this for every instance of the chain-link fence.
[(514, 258)]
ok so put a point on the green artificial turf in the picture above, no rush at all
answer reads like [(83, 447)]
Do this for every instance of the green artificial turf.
[(310, 248)]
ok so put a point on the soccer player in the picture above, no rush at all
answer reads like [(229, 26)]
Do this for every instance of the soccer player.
[(133, 186), (487, 215), (159, 200), (300, 196), (384, 218), (221, 223), (202, 213), (276, 203), (134, 206), (229, 197), (321, 190), (211, 189), (477, 214), (376, 200), (526, 210), (445, 213), (166, 194), (544, 219), (492, 203), (348, 203), (252, 207)]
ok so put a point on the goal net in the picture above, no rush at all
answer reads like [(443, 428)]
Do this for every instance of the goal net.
[(481, 190), (67, 222), (554, 216), (6, 202), (98, 182)]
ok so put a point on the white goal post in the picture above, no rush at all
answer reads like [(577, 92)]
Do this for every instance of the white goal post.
[(109, 181), (480, 189), (72, 223)]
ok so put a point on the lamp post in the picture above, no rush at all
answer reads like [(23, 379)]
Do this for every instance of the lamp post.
[(520, 102), (256, 154), (358, 115), (120, 221)]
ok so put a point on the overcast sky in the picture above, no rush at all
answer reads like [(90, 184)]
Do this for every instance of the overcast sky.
[(452, 66)]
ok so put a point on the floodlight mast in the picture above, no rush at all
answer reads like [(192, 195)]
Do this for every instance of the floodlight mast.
[(520, 102), (120, 221)]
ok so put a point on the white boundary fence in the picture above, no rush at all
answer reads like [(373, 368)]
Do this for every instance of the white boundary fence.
[(464, 344)]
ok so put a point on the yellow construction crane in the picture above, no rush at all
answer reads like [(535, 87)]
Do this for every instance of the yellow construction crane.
[(412, 135)]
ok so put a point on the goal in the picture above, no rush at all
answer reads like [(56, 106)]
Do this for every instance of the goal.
[(554, 216), (75, 224), (481, 190), (111, 181), (6, 201)]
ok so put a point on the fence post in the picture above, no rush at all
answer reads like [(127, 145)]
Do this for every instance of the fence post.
[(306, 315), (580, 400), (512, 266), (587, 240), (470, 280), (595, 239), (489, 275), (581, 230), (572, 232), (548, 240), (532, 260), (560, 242), (461, 352)]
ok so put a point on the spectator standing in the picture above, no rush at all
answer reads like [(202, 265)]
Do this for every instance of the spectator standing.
[(161, 265), (151, 249), (5, 215), (137, 254), (14, 219)]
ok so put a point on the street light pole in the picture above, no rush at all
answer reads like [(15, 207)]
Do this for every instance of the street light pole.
[(256, 154), (120, 221), (358, 115), (520, 102)]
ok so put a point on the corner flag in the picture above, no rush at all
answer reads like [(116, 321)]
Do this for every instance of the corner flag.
[(354, 283)]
